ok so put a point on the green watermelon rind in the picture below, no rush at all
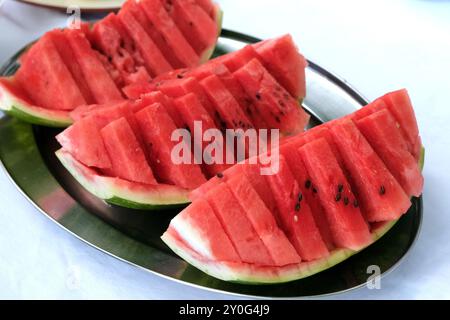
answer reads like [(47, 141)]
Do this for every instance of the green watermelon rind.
[(207, 54), (246, 274), (16, 107), (124, 193)]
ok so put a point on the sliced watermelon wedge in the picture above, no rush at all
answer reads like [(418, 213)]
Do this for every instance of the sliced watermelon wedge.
[(15, 102), (340, 170), (122, 192)]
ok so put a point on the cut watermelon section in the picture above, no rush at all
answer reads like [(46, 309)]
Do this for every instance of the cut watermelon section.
[(97, 77), (276, 105), (127, 157), (16, 102), (238, 227), (66, 69), (384, 136), (175, 40), (280, 249), (157, 128), (46, 79), (318, 191), (122, 192), (294, 214), (380, 194)]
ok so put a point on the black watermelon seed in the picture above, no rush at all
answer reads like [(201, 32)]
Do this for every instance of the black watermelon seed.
[(297, 207), (286, 96), (314, 189), (355, 203), (258, 96), (338, 197), (340, 187), (180, 76), (191, 23), (277, 118), (307, 184), (219, 175), (346, 201), (300, 197), (382, 190)]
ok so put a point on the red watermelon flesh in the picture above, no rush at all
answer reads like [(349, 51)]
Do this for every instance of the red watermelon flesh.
[(157, 128), (385, 138), (235, 88), (135, 90), (181, 87), (107, 38), (198, 221), (236, 60), (278, 108), (85, 110), (400, 106), (138, 12), (191, 110), (280, 249), (381, 196), (96, 76), (159, 97), (46, 79), (197, 26), (281, 57), (290, 154), (209, 7), (225, 104), (59, 40), (155, 61), (332, 189), (295, 215), (215, 181), (127, 157), (237, 226), (83, 141), (175, 40)]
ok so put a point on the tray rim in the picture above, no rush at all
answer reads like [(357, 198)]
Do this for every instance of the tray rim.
[(342, 83)]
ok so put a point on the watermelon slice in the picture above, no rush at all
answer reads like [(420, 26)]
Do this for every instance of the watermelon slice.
[(122, 192), (107, 37), (127, 157), (157, 127), (159, 97), (225, 104), (46, 79), (380, 194), (283, 60), (385, 138), (196, 25), (83, 141), (175, 40), (323, 165), (276, 105), (298, 169), (238, 227), (59, 40), (154, 60), (100, 83), (280, 249), (16, 102), (176, 89), (295, 215), (201, 221), (191, 110)]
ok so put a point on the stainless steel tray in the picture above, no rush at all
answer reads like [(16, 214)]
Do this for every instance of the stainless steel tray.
[(27, 154)]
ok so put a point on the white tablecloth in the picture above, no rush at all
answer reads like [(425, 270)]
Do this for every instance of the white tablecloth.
[(377, 46)]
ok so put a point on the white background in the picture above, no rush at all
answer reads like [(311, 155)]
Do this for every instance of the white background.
[(378, 46)]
